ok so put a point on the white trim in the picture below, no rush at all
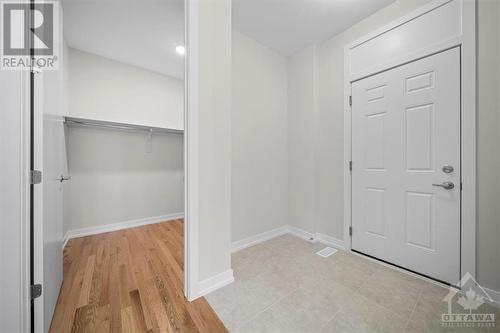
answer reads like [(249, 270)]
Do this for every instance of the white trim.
[(330, 241), (259, 238), (25, 201), (215, 282), (191, 152), (347, 151), (75, 233), (287, 230), (305, 235), (66, 238), (38, 236), (407, 58), (402, 20), (468, 62)]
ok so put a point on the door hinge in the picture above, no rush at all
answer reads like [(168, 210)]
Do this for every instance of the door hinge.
[(35, 177), (350, 165), (36, 291), (350, 100), (350, 231)]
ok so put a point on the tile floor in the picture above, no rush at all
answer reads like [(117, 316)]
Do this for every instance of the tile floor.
[(282, 286)]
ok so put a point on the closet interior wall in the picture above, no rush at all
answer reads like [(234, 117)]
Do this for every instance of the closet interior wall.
[(119, 175)]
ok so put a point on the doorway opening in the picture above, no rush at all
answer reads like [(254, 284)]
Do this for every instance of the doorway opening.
[(108, 139)]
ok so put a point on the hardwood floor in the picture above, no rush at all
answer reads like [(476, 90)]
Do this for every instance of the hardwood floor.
[(129, 281)]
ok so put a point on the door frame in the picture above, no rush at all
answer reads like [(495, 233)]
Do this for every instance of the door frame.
[(466, 40), (190, 183), (17, 182), (191, 150)]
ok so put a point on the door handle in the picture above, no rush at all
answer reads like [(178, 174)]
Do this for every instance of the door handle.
[(446, 185), (64, 178)]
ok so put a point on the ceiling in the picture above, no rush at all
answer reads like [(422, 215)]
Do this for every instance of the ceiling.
[(142, 33), (288, 26)]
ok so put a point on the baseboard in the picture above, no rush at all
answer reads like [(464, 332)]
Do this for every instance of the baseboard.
[(259, 238), (297, 232), (75, 233), (65, 240), (213, 283), (330, 241), (287, 229)]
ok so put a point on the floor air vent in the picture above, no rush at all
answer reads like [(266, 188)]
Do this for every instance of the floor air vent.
[(326, 252)]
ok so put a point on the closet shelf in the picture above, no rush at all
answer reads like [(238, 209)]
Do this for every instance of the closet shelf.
[(72, 121)]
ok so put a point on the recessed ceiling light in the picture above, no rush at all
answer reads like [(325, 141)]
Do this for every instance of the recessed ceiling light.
[(180, 50)]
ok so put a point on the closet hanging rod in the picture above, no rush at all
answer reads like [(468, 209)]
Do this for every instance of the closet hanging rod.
[(72, 121)]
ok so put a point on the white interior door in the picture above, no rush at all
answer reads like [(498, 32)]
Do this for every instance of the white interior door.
[(406, 166), (50, 159), (54, 167)]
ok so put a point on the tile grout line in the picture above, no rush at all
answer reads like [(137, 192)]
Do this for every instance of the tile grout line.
[(268, 307), (244, 322), (386, 308), (413, 310), (274, 303), (383, 307), (329, 320), (341, 307), (367, 278)]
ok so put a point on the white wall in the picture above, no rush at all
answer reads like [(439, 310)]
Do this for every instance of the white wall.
[(114, 178), (209, 140), (65, 79), (105, 89), (302, 112), (488, 148), (313, 126), (259, 182), (316, 125)]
